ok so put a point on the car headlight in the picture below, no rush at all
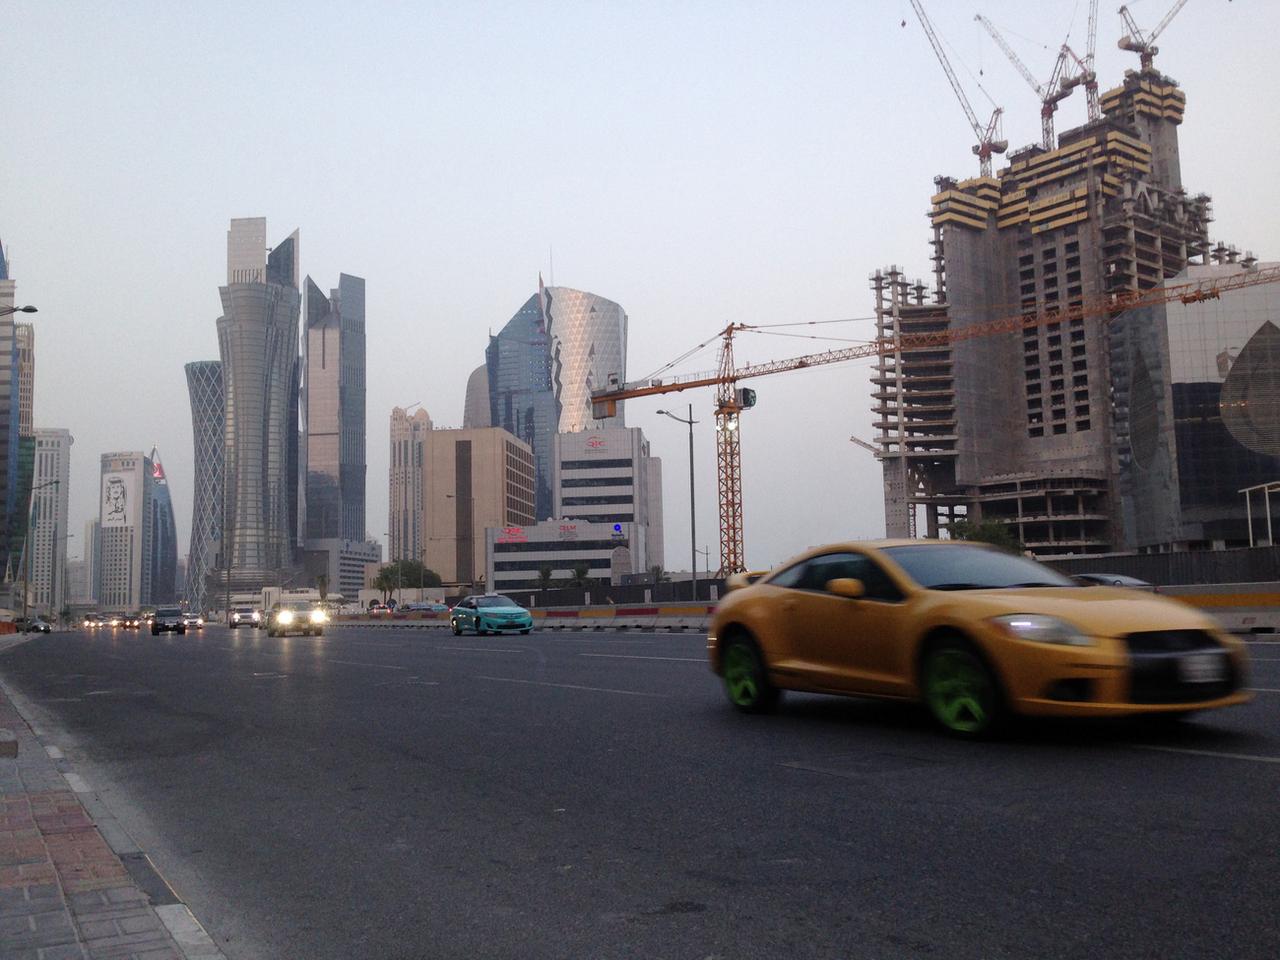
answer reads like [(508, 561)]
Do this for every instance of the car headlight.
[(285, 616), (1040, 628), (319, 616), (256, 616)]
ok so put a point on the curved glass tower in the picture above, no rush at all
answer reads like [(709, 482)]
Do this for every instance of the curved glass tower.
[(589, 345), (164, 535), (204, 383)]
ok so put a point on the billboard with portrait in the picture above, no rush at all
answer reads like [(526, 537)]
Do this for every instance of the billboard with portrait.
[(117, 511)]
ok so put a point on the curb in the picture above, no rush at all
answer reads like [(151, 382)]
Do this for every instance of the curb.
[(186, 931)]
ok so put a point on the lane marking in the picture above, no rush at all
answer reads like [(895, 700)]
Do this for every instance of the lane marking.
[(574, 686), (1206, 753), (357, 663), (54, 753), (1264, 690), (632, 656), (484, 649), (76, 783), (185, 929)]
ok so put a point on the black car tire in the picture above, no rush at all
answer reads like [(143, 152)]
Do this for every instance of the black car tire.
[(182, 631), (526, 631), (457, 630), (155, 631), (757, 694)]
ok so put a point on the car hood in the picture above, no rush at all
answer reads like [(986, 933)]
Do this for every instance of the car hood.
[(1099, 611), (501, 610)]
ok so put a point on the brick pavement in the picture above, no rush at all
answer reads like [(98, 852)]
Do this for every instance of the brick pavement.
[(64, 893)]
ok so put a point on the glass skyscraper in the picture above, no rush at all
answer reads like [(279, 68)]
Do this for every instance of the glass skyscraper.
[(204, 383), (333, 405), (258, 342), (164, 535)]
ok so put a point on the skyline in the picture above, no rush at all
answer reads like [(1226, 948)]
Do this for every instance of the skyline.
[(731, 168)]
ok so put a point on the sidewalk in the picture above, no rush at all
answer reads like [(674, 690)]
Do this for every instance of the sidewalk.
[(64, 891)]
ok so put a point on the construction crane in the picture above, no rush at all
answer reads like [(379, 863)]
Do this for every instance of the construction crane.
[(731, 401), (1144, 45), (1049, 93), (989, 139), (1085, 74)]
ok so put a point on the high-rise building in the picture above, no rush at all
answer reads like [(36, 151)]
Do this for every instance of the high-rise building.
[(13, 510), (472, 480), (25, 345), (258, 343), (1017, 427), (476, 412), (93, 558), (404, 517), (204, 384), (78, 582), (333, 406), (164, 536), (47, 536), (125, 538), (543, 365), (608, 476)]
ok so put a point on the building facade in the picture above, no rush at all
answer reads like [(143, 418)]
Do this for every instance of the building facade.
[(342, 563), (208, 433), (164, 536), (608, 476), (261, 368), (516, 555), (48, 532), (404, 517), (1017, 427), (14, 508), (24, 337), (472, 480), (333, 405), (93, 558), (589, 352), (476, 413), (125, 535)]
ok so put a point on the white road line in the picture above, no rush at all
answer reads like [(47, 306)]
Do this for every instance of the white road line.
[(1206, 753), (186, 930), (574, 686), (357, 663), (76, 783), (53, 752), (483, 649), (1264, 690), (632, 656)]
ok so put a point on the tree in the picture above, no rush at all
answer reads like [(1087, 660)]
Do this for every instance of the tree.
[(322, 585), (386, 580), (544, 577), (581, 575), (413, 573), (659, 575), (985, 531)]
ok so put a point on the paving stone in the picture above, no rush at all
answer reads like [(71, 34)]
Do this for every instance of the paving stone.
[(35, 898), (36, 930), (67, 951)]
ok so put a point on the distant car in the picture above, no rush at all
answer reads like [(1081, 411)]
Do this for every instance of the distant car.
[(426, 606), (193, 621), (93, 620), (1113, 580), (167, 619), (33, 625), (296, 616), (378, 609), (244, 617), (131, 621), (490, 613)]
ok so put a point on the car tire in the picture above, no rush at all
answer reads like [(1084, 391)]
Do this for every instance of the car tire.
[(457, 630), (746, 682), (318, 632), (182, 631), (960, 690), (480, 631), (155, 632), (526, 631)]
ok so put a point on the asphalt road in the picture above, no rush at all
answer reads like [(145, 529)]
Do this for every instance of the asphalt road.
[(400, 793)]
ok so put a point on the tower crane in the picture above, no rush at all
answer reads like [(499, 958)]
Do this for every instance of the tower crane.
[(731, 401), (1144, 45), (989, 139), (1085, 73), (1049, 93)]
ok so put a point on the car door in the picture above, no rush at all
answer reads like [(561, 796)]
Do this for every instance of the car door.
[(466, 614), (849, 645)]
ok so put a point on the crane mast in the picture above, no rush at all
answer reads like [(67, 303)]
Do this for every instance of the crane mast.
[(1086, 75), (1049, 93), (1144, 45), (988, 142)]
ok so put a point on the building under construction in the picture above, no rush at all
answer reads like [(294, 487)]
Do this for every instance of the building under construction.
[(1072, 432)]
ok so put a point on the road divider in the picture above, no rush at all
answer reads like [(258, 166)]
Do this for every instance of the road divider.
[(675, 617)]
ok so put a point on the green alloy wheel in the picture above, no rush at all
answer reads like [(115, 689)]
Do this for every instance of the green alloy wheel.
[(960, 691), (745, 680)]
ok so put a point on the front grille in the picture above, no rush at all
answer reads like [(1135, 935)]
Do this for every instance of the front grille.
[(1156, 674)]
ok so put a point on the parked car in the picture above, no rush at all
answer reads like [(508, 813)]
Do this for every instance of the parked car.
[(244, 617), (971, 632), (1113, 580), (426, 606), (490, 613), (33, 625), (296, 616), (193, 621), (168, 619)]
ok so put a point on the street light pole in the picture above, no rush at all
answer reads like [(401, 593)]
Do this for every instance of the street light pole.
[(5, 311), (693, 524)]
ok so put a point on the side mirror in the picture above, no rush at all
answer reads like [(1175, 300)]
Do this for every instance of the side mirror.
[(846, 587)]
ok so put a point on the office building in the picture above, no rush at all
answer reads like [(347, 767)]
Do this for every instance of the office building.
[(542, 366), (333, 406), (125, 534), (342, 563), (93, 558), (48, 533), (25, 345), (404, 517), (164, 535), (261, 370), (476, 412), (78, 591), (472, 480), (1017, 427), (13, 529), (204, 385), (609, 476), (516, 555)]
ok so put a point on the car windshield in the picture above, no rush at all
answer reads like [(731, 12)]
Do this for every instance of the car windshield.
[(168, 612), (496, 602), (297, 606), (965, 567), (244, 610)]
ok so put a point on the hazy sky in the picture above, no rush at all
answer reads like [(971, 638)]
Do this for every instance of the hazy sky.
[(699, 163)]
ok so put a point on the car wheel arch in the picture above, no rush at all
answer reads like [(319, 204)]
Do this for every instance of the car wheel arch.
[(731, 631), (940, 634)]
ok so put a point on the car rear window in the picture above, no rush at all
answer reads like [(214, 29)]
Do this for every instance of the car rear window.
[(496, 602)]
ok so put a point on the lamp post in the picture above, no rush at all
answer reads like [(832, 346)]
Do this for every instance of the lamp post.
[(5, 311), (693, 526), (26, 565)]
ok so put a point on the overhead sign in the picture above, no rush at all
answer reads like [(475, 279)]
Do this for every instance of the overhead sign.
[(512, 535)]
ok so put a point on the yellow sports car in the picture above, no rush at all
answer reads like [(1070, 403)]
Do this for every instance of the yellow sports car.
[(972, 631)]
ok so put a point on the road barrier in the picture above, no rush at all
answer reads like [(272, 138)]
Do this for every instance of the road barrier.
[(1239, 607)]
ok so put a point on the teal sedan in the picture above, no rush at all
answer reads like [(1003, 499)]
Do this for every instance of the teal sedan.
[(490, 613)]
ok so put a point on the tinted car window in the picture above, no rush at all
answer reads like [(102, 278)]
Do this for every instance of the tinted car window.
[(789, 577), (964, 567), (835, 566), (497, 602)]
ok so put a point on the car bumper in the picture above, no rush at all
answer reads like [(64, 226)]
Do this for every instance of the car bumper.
[(500, 626)]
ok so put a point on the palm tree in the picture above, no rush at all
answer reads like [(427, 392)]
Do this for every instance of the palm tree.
[(581, 575), (659, 575), (544, 578), (385, 581), (322, 585)]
